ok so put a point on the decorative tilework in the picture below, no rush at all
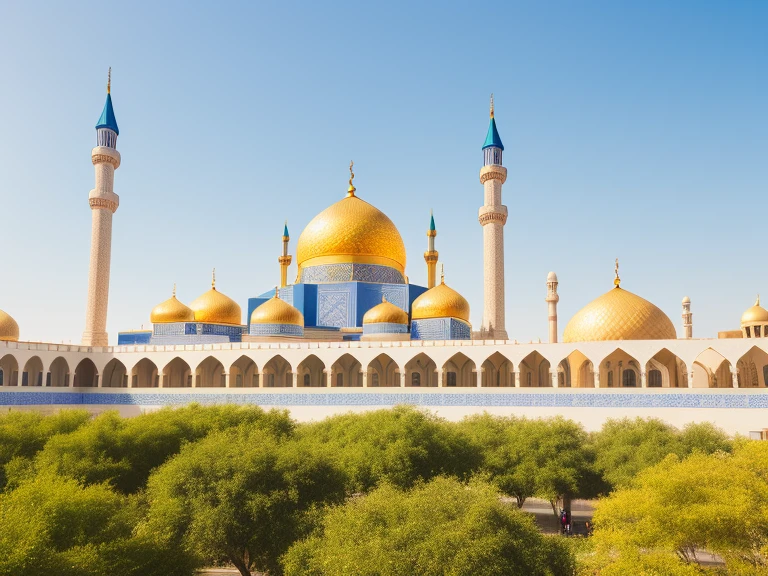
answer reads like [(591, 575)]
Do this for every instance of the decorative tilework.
[(751, 401), (440, 329), (334, 309), (334, 273), (195, 333), (275, 330), (384, 328)]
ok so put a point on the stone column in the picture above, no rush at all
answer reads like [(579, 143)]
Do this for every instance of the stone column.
[(295, 379), (643, 380), (402, 379), (478, 376), (690, 379), (327, 374), (439, 378), (517, 378), (365, 378), (553, 378), (734, 377)]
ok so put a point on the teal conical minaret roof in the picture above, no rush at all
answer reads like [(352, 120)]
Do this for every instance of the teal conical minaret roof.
[(492, 139), (285, 230), (107, 118), (431, 222)]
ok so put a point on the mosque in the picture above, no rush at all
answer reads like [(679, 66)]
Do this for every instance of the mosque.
[(351, 333)]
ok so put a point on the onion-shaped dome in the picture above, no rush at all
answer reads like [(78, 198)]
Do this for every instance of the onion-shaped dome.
[(386, 313), (277, 311), (755, 315), (9, 329), (213, 307), (551, 277), (171, 311), (619, 315), (440, 302), (351, 231)]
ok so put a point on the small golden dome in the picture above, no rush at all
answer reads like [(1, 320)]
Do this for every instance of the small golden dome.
[(277, 311), (171, 311), (619, 315), (756, 314), (9, 329), (351, 231), (440, 302), (213, 307), (386, 312)]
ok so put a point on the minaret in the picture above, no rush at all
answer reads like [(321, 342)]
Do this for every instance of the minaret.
[(104, 203), (285, 259), (687, 318), (552, 299), (493, 216), (430, 256)]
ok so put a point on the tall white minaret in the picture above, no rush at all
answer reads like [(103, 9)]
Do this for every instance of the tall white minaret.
[(104, 203), (493, 216), (687, 318), (552, 299)]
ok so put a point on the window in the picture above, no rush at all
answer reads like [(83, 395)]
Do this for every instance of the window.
[(747, 330), (561, 379), (157, 380), (451, 378), (189, 381), (757, 331), (528, 378), (239, 381), (375, 379), (339, 379), (47, 379), (223, 380), (629, 380), (271, 380), (25, 378), (307, 381), (2, 373), (498, 378), (255, 381), (289, 379), (765, 375), (654, 379), (415, 379), (40, 380), (610, 379)]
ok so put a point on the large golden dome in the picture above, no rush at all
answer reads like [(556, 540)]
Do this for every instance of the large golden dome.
[(171, 311), (755, 314), (440, 302), (351, 231), (9, 329), (619, 315), (386, 312), (277, 311), (213, 307)]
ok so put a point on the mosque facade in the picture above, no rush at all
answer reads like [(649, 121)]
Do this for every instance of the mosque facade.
[(351, 332)]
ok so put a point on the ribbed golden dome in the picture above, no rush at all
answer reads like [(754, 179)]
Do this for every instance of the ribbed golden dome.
[(9, 329), (214, 307), (440, 302), (619, 315), (755, 314), (171, 311), (276, 311), (386, 312), (351, 231)]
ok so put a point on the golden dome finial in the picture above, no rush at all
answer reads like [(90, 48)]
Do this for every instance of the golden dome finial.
[(383, 298), (442, 273), (213, 279), (757, 302), (617, 280), (277, 292), (491, 104), (351, 189), (174, 290), (109, 80)]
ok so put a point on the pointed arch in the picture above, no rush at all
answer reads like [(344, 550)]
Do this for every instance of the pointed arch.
[(535, 371), (620, 370), (33, 372), (421, 371), (9, 368), (177, 374), (210, 374), (311, 372), (347, 371), (145, 375), (497, 370), (244, 373), (753, 368), (114, 375), (712, 370), (86, 374), (58, 373), (666, 370), (383, 371), (578, 371), (277, 373), (459, 371)]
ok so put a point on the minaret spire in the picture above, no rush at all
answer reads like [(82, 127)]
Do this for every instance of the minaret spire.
[(493, 217), (430, 256), (351, 189), (285, 259), (552, 299), (103, 202), (109, 86)]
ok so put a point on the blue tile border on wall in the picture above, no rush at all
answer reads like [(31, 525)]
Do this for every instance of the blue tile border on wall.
[(479, 399)]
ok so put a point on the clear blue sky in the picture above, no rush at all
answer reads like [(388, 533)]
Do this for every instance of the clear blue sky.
[(632, 129)]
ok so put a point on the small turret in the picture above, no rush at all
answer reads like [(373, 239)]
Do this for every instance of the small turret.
[(552, 299), (285, 259), (430, 256)]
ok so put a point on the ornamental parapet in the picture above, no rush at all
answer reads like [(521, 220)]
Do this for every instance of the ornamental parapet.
[(430, 256), (493, 172), (102, 154), (493, 215), (285, 260), (103, 200)]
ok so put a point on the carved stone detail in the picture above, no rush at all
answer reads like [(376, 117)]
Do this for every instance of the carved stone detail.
[(103, 203)]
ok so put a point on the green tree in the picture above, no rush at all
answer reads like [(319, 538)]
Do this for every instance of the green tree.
[(677, 508), (400, 445), (123, 451), (241, 496), (705, 438), (53, 525), (23, 434), (546, 458), (442, 528)]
